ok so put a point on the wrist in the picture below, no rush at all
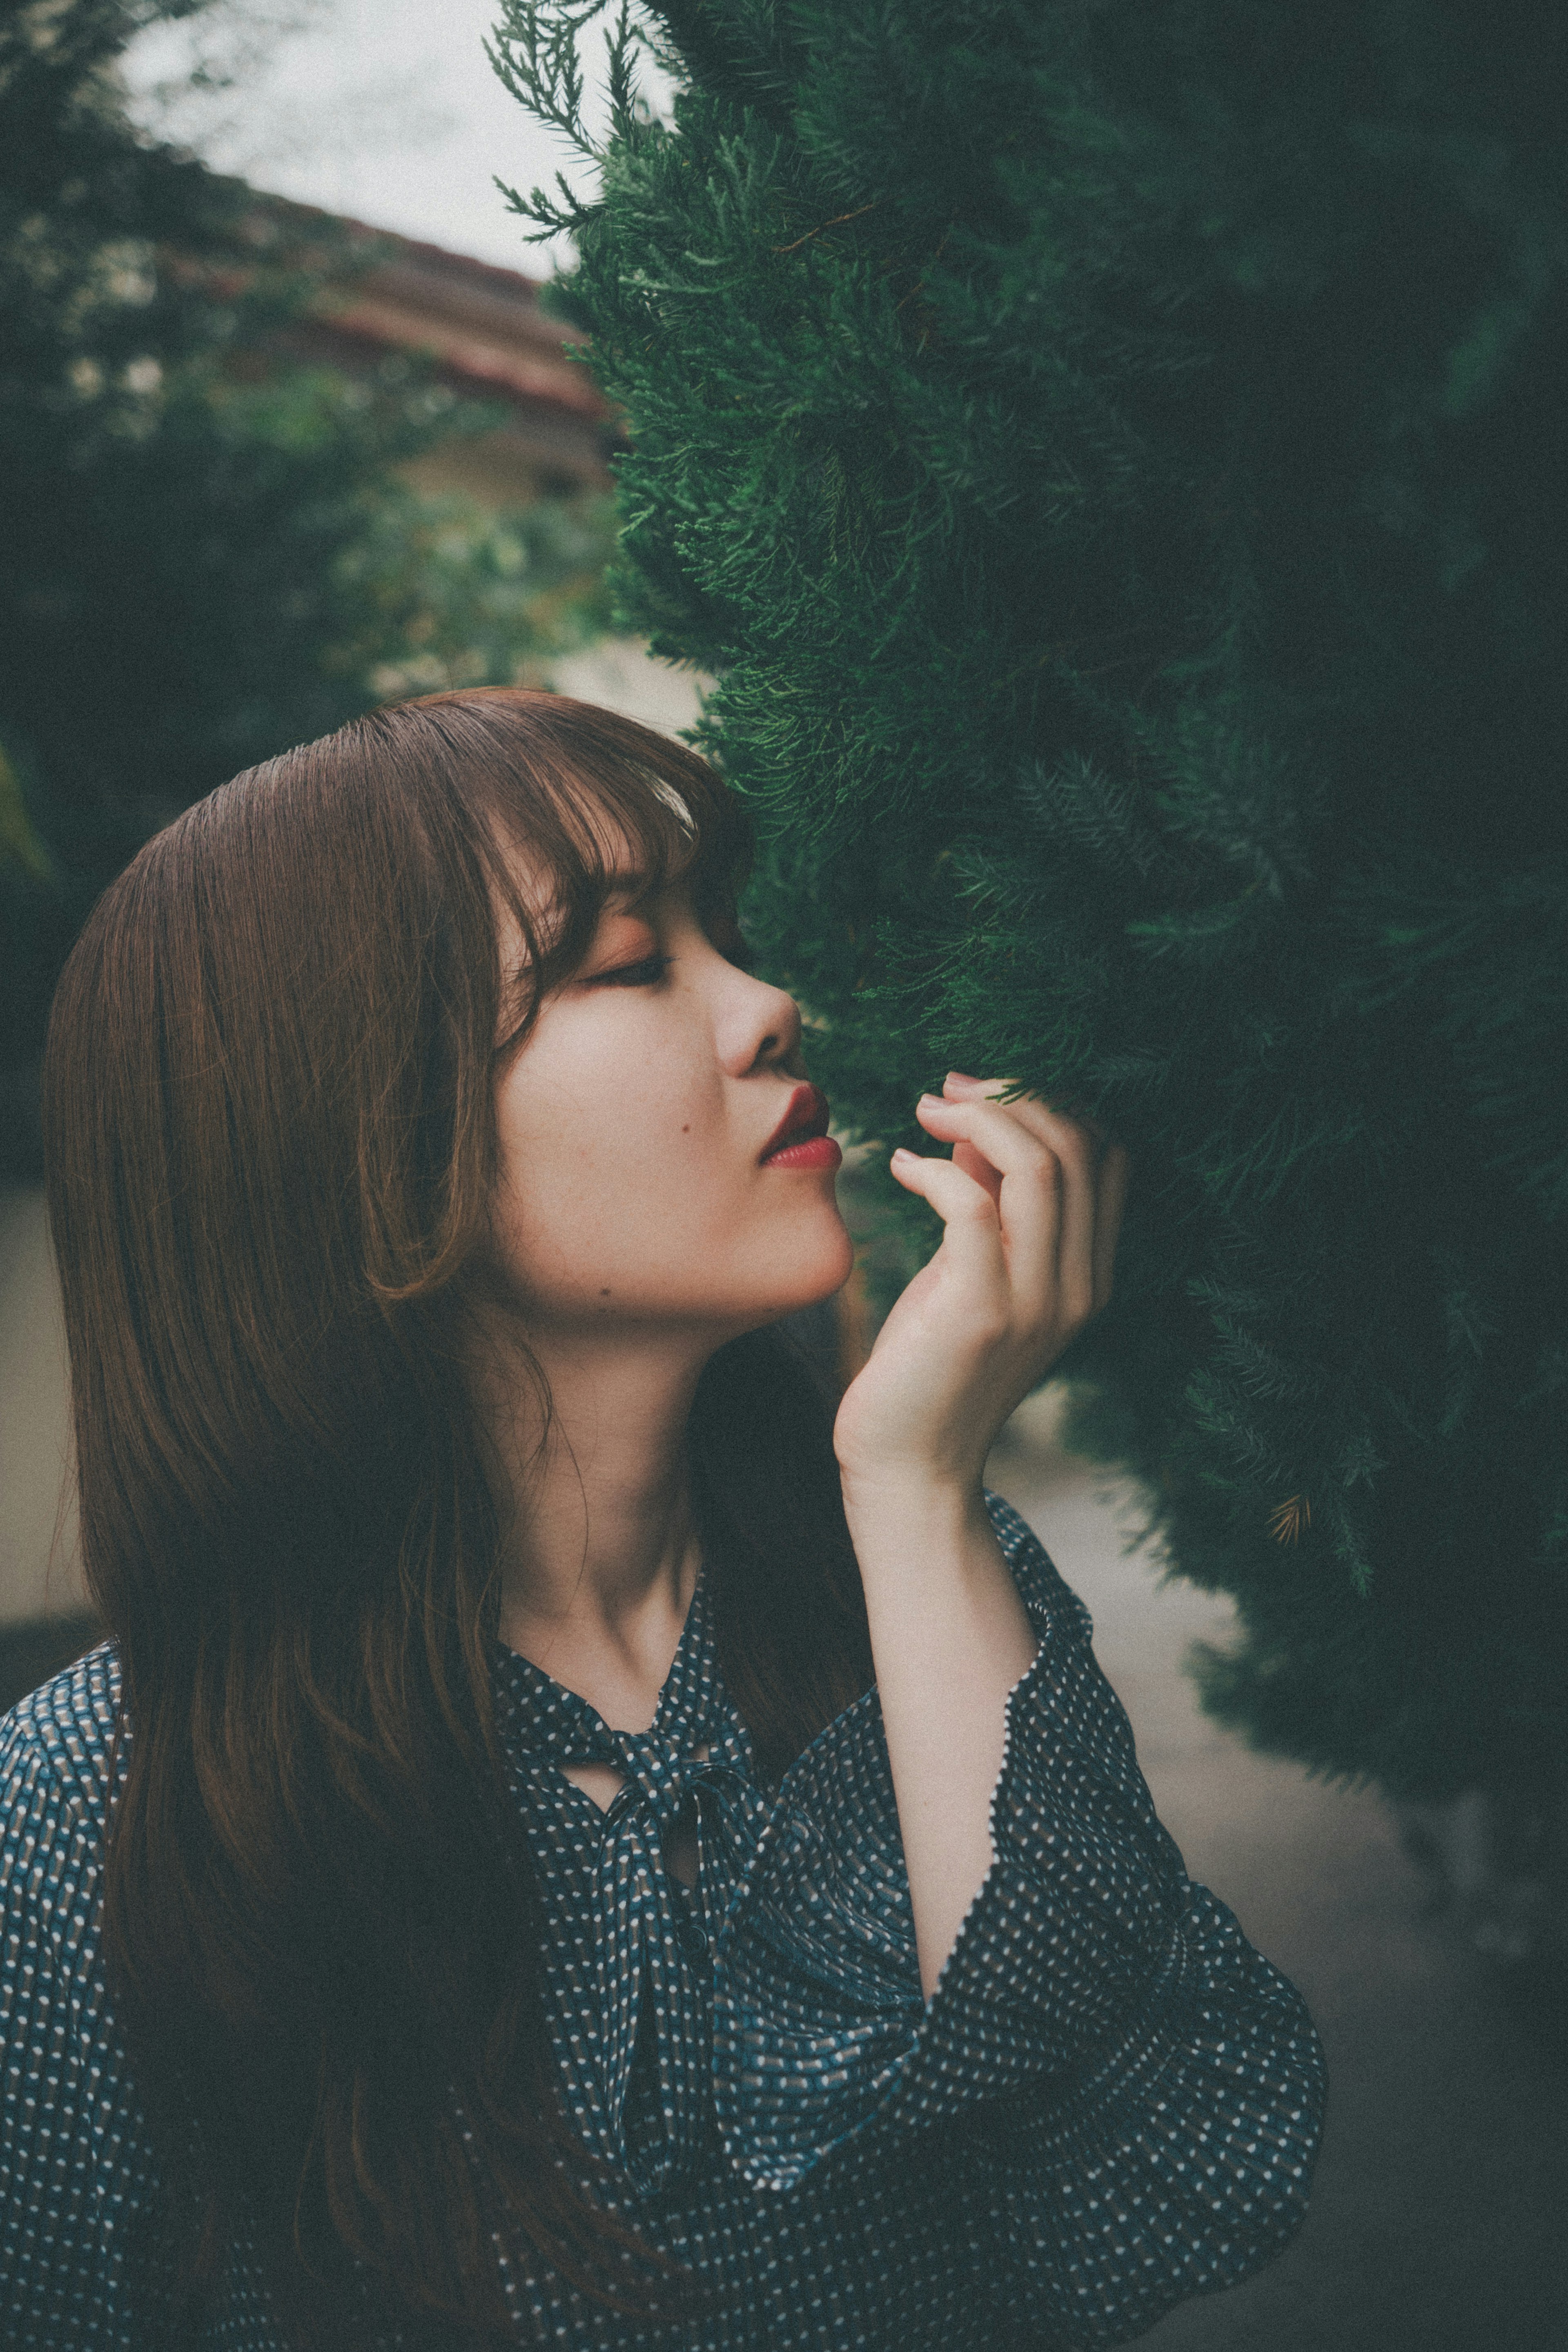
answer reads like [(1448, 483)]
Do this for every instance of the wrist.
[(921, 1543), (887, 1497)]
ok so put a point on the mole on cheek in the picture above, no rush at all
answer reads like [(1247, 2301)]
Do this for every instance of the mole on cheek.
[(687, 1129), (605, 1292)]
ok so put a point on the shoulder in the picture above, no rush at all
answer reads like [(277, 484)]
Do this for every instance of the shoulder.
[(74, 2152), (1050, 1600), (54, 1754), (54, 1750)]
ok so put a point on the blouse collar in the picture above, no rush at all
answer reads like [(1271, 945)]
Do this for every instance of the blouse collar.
[(538, 1716)]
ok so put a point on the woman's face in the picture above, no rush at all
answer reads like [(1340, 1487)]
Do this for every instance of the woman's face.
[(634, 1121)]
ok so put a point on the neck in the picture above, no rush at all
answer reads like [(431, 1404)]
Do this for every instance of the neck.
[(599, 1550)]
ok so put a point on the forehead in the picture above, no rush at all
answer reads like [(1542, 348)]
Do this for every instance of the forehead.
[(593, 837), (630, 887)]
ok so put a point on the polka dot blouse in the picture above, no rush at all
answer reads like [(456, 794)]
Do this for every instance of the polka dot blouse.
[(1111, 2102)]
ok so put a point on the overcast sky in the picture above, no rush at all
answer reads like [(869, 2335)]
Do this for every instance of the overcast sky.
[(384, 109)]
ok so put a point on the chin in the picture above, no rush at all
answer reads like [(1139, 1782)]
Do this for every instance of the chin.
[(767, 1280), (819, 1274)]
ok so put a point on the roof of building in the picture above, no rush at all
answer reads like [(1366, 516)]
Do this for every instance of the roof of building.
[(484, 325)]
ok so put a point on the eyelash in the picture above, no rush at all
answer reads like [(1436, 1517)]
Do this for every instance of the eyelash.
[(639, 975), (649, 970)]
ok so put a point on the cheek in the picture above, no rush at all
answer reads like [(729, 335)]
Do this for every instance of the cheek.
[(661, 1233), (626, 1182), (611, 1187)]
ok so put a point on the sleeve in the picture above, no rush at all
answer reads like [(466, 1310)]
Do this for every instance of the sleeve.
[(74, 2172), (1142, 2089)]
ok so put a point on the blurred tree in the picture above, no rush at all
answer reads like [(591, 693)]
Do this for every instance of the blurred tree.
[(1112, 459), (205, 553)]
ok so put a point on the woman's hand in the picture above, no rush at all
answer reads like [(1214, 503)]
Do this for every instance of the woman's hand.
[(1032, 1204)]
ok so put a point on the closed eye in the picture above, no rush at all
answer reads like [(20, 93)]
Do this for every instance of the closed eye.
[(646, 973)]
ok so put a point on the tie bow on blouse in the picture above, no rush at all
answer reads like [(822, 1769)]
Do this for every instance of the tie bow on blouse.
[(661, 1770), (645, 2097)]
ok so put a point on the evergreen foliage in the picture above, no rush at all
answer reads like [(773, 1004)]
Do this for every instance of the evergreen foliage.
[(205, 553), (1111, 457)]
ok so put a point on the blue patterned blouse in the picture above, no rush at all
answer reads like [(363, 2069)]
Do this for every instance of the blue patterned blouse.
[(1111, 2102)]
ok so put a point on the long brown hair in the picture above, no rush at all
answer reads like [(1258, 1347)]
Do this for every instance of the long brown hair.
[(270, 1139)]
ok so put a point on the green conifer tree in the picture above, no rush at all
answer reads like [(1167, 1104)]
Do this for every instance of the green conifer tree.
[(1111, 459)]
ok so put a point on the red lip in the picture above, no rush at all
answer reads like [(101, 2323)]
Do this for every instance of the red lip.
[(807, 1115)]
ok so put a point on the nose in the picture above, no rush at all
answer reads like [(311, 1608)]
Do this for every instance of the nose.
[(764, 1029)]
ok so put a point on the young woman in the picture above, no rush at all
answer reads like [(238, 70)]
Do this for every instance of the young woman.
[(566, 1842)]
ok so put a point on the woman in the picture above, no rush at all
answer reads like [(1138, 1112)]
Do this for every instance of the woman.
[(565, 1841)]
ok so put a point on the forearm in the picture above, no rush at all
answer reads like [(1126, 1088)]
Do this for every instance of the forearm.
[(951, 1637)]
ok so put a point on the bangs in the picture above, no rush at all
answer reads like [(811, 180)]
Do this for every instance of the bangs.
[(594, 804)]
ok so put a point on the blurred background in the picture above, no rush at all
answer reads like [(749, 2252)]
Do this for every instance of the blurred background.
[(292, 428)]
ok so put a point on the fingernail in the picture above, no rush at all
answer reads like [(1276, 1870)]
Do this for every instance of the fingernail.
[(932, 1098), (961, 1078)]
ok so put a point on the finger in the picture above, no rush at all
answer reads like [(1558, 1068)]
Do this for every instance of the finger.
[(973, 1238), (1029, 1199), (1045, 1118), (955, 1196), (975, 1163), (1080, 1144), (1115, 1175)]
